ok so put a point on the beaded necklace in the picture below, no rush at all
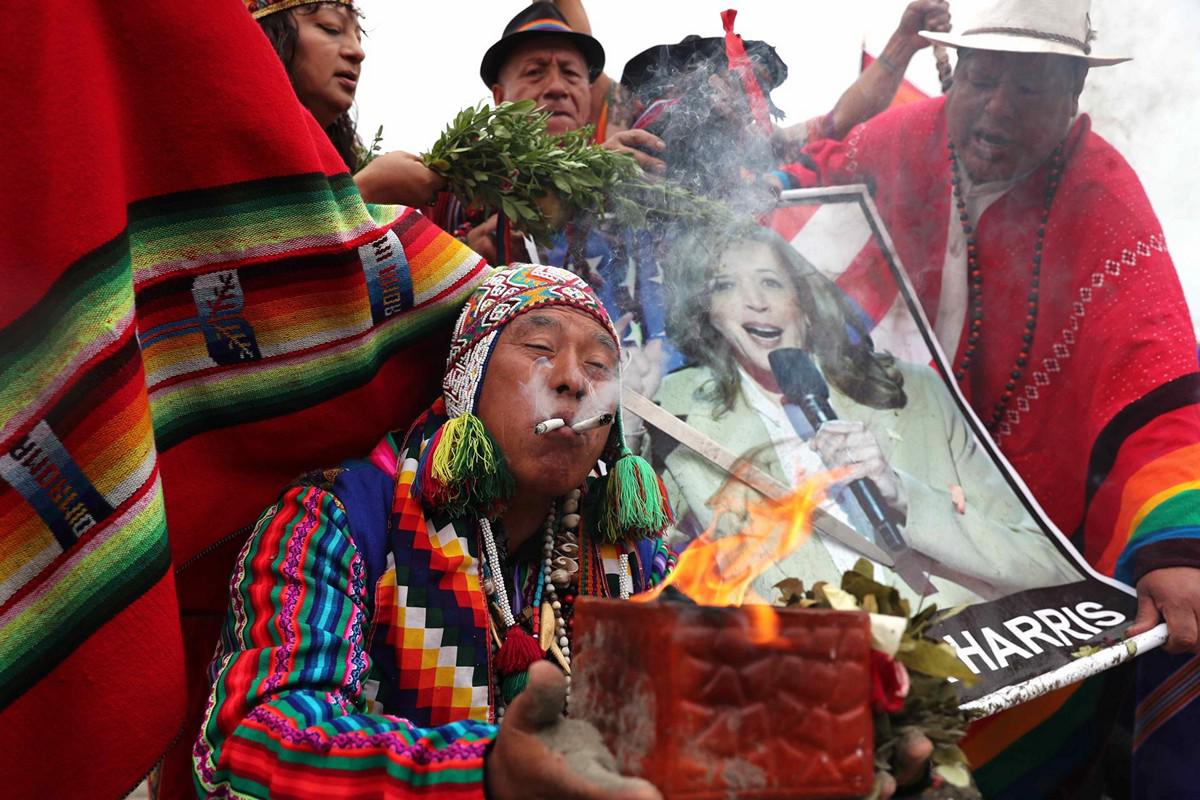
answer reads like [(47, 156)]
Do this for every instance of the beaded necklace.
[(553, 592), (975, 285)]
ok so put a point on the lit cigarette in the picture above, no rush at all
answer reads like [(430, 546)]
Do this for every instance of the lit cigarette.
[(592, 422), (548, 425)]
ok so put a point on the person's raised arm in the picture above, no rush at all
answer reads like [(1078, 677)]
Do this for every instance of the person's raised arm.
[(873, 90), (398, 178)]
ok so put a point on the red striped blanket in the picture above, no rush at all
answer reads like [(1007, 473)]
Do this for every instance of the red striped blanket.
[(197, 306)]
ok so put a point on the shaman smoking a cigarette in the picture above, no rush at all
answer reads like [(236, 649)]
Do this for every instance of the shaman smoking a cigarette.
[(598, 421), (220, 294)]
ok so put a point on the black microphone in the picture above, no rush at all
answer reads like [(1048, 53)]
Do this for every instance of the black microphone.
[(805, 387)]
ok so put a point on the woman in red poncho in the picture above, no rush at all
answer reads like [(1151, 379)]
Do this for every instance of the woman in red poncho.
[(320, 45)]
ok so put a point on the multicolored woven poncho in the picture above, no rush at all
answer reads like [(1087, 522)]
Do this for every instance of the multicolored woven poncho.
[(197, 308), (365, 585), (356, 585)]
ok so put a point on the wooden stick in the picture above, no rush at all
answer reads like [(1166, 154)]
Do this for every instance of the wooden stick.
[(1067, 674), (748, 474)]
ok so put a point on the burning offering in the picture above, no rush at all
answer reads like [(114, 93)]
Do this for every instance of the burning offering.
[(687, 697), (712, 700)]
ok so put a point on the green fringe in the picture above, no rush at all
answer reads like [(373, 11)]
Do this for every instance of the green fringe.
[(634, 507), (513, 685), (469, 464)]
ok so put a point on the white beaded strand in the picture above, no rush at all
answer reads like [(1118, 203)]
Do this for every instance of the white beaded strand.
[(624, 577), (567, 523), (493, 557)]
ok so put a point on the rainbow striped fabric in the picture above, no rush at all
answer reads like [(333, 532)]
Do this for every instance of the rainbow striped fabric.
[(544, 24), (198, 306), (287, 711), (245, 306)]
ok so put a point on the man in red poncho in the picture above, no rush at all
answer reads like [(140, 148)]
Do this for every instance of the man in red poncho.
[(1036, 255)]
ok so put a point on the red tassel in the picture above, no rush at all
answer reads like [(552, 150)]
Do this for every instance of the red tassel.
[(739, 64), (518, 653), (666, 501), (431, 489)]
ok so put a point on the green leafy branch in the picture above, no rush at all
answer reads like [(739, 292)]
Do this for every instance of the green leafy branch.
[(503, 159), (367, 154)]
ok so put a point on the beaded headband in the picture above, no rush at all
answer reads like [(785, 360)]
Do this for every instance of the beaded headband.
[(261, 8)]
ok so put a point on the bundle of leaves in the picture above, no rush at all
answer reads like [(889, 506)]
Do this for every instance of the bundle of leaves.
[(931, 705), (503, 159)]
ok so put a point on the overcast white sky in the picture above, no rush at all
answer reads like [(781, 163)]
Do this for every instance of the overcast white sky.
[(423, 66)]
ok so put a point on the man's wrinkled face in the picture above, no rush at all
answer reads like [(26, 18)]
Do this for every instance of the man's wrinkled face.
[(1007, 112), (552, 71), (550, 362)]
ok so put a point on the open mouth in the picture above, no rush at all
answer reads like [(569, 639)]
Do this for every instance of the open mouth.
[(348, 78), (991, 142), (765, 335)]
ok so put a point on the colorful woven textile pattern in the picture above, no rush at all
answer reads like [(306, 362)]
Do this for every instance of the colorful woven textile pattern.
[(347, 570), (431, 623), (1114, 346), (287, 712), (198, 307), (430, 605)]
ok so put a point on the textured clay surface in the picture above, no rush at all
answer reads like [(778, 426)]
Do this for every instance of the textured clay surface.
[(684, 699)]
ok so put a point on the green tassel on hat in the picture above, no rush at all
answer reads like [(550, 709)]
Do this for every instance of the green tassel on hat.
[(513, 685), (465, 470), (635, 500)]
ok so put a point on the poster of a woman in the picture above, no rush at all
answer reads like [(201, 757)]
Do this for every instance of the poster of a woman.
[(733, 301)]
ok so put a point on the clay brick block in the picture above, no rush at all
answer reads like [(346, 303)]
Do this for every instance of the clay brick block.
[(684, 699)]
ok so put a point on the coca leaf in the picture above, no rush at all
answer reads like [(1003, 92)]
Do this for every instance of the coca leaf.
[(887, 598), (791, 591), (936, 659), (488, 155)]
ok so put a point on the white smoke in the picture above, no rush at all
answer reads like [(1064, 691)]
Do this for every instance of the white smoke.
[(1149, 108)]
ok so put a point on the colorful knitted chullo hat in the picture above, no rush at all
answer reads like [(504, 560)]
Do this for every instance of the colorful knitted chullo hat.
[(462, 470)]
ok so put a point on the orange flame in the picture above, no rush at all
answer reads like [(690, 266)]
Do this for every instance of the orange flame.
[(719, 570)]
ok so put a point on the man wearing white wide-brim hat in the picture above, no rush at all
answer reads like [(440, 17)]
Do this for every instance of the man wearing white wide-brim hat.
[(1035, 252)]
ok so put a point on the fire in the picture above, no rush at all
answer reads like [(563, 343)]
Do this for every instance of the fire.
[(718, 570)]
